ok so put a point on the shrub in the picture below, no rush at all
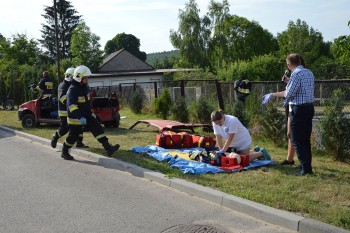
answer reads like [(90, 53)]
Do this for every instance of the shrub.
[(273, 126), (179, 110), (162, 104), (136, 103), (240, 112), (336, 128), (201, 110)]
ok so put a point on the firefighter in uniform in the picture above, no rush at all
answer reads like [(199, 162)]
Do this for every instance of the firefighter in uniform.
[(45, 85), (62, 111), (80, 114)]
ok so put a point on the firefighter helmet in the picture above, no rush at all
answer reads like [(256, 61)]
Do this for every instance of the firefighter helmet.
[(68, 75), (80, 72)]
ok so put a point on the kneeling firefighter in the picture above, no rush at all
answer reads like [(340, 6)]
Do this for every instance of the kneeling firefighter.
[(80, 114)]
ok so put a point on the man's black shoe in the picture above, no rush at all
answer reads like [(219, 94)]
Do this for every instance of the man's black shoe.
[(54, 140), (112, 149), (81, 145), (67, 156)]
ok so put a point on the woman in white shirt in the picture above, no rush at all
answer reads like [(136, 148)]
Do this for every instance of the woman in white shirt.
[(237, 136)]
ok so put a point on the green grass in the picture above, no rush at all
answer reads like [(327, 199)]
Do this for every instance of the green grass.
[(324, 196)]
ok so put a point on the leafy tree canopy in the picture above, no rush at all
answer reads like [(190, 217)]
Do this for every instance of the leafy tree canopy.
[(302, 39), (246, 39), (190, 38), (85, 48), (218, 38), (341, 48), (20, 49), (125, 41)]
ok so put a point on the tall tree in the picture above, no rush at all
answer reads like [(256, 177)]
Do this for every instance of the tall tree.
[(127, 41), (85, 48), (246, 39), (191, 38), (341, 48), (302, 39), (20, 49), (218, 14), (68, 20)]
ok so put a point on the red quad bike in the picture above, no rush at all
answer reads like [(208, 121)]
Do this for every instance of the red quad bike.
[(37, 111)]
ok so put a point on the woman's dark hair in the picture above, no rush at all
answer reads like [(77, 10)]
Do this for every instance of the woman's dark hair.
[(217, 115)]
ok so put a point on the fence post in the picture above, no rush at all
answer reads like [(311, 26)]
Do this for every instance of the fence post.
[(219, 93), (120, 88), (182, 88), (134, 84), (155, 90), (321, 94)]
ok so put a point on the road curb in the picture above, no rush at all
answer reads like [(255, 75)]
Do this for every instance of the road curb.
[(265, 213)]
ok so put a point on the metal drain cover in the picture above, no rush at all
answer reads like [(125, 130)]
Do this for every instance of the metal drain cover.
[(195, 228)]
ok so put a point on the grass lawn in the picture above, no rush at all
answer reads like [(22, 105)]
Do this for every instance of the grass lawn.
[(324, 196)]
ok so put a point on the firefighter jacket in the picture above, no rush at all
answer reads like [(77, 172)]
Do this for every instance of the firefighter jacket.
[(46, 85), (62, 98), (78, 105)]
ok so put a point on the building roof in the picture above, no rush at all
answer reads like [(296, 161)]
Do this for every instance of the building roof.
[(138, 73), (123, 61)]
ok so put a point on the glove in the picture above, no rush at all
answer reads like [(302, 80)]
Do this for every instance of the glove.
[(221, 152), (266, 98), (83, 121)]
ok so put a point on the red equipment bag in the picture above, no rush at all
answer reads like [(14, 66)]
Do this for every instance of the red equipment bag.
[(173, 140), (203, 141)]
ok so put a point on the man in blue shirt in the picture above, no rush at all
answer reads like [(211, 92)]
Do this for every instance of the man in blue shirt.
[(299, 95)]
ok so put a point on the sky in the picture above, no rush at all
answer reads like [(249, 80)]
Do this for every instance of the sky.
[(151, 20)]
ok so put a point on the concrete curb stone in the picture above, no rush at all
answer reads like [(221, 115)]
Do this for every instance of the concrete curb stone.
[(265, 213)]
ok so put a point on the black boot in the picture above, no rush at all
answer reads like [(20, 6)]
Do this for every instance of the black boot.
[(54, 139), (81, 145), (109, 148), (65, 153)]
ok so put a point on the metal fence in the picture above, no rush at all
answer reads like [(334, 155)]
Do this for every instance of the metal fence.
[(223, 93)]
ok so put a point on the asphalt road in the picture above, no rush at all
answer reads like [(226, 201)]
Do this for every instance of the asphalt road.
[(40, 192)]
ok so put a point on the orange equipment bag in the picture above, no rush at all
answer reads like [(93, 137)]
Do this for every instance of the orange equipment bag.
[(173, 140), (203, 141)]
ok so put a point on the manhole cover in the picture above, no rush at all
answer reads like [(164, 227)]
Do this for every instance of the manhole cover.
[(195, 228)]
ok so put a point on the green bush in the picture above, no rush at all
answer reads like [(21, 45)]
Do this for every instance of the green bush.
[(273, 126), (336, 128), (240, 112), (201, 110), (136, 103), (162, 104), (179, 110)]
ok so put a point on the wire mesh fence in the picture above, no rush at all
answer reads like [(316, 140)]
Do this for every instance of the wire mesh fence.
[(223, 93)]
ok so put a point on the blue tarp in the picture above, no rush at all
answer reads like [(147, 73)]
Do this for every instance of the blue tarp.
[(187, 166)]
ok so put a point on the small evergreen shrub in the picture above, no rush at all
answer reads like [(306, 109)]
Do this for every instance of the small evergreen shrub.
[(273, 126), (136, 103), (240, 112), (336, 128), (162, 104), (179, 110), (201, 110)]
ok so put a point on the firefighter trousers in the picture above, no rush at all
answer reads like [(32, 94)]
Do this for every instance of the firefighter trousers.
[(64, 129), (94, 127)]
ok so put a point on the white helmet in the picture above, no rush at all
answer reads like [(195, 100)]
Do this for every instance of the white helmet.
[(68, 75), (80, 72)]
